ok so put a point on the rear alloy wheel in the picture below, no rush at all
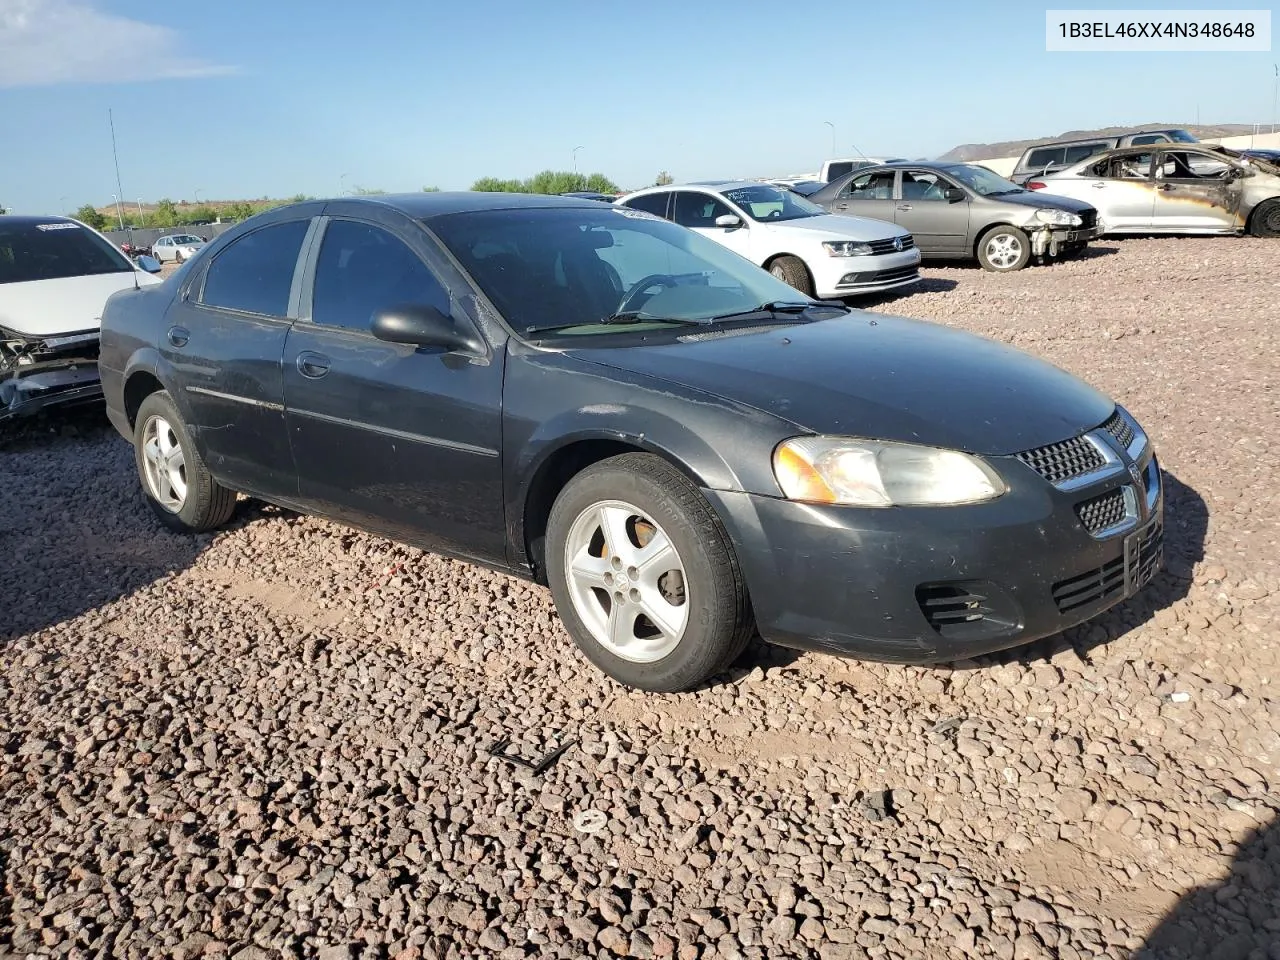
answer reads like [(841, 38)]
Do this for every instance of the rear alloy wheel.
[(1004, 250), (177, 485), (1265, 221), (791, 270), (643, 575)]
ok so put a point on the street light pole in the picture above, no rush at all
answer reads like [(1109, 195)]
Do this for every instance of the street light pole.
[(198, 189), (833, 136), (139, 211), (575, 158), (119, 211), (115, 156), (340, 186)]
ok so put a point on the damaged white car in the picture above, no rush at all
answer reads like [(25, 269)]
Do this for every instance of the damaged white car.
[(56, 274)]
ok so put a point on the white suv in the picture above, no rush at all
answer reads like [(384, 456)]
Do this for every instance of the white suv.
[(820, 254)]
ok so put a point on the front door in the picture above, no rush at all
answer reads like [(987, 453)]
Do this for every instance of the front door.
[(940, 226), (398, 439), (224, 337), (698, 211), (1193, 193)]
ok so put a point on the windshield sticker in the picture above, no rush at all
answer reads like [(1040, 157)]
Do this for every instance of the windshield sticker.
[(57, 226), (636, 214)]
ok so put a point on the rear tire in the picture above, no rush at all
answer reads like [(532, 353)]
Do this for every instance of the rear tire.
[(791, 270), (1265, 220), (1004, 249), (631, 535), (175, 481)]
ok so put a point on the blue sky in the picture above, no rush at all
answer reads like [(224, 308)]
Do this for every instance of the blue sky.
[(245, 99)]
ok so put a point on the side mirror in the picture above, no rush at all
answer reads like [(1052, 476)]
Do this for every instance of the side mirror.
[(953, 194), (421, 326), (149, 264), (729, 220)]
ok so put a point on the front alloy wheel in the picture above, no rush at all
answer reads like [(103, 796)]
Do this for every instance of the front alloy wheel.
[(1004, 249), (627, 581), (644, 575)]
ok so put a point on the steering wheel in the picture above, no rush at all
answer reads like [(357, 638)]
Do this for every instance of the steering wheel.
[(653, 279)]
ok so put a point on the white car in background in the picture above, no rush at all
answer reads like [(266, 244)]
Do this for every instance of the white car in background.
[(180, 247), (820, 254), (56, 274)]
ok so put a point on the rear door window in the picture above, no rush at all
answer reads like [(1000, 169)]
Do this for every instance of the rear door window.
[(655, 203), (54, 251), (695, 209), (254, 274)]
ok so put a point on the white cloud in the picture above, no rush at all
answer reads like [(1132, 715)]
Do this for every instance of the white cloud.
[(46, 42)]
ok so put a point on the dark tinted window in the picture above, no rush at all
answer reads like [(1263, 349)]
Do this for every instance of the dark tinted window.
[(255, 272), (1082, 151), (837, 170), (50, 251), (655, 203), (363, 269), (698, 209), (1149, 138), (1041, 158)]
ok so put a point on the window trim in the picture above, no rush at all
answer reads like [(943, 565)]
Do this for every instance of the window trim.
[(195, 290)]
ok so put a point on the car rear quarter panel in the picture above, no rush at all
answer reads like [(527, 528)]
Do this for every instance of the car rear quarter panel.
[(132, 323)]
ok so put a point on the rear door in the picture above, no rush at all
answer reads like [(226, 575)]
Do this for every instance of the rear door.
[(940, 226), (1193, 194), (394, 438), (867, 194), (1121, 188), (224, 337)]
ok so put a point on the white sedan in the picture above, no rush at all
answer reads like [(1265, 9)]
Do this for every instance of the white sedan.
[(181, 247), (820, 254)]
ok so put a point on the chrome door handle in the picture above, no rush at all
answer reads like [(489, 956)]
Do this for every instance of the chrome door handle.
[(178, 336), (1098, 186), (313, 366), (842, 206), (904, 206)]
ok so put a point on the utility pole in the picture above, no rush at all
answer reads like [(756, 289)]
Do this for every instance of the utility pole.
[(575, 158), (833, 136), (116, 157)]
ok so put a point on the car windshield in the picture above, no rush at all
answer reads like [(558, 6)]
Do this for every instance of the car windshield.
[(771, 204), (982, 181), (53, 251), (1181, 136), (572, 268), (187, 238)]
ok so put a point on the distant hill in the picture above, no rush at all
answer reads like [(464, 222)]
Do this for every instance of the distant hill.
[(967, 152)]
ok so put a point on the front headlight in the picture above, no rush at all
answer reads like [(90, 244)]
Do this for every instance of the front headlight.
[(878, 473), (1059, 218), (846, 248)]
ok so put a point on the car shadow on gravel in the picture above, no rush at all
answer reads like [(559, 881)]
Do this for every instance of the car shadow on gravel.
[(76, 533), (1233, 919), (1186, 526)]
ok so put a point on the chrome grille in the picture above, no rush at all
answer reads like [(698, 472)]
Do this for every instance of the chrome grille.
[(1065, 460), (1119, 428), (1101, 512), (886, 246)]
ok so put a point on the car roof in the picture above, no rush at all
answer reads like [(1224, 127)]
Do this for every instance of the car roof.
[(30, 220), (711, 186), (424, 206)]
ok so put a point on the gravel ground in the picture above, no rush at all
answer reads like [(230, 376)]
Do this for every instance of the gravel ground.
[(274, 742)]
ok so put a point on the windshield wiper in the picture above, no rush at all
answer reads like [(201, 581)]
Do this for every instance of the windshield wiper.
[(783, 306), (616, 319)]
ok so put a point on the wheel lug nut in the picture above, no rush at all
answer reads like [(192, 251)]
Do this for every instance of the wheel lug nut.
[(635, 595), (608, 578), (619, 597), (633, 573)]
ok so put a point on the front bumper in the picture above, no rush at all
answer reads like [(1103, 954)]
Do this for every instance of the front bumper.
[(933, 585), (1052, 240), (852, 276), (27, 393)]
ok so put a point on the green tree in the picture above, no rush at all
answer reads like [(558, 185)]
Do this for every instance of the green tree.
[(202, 212), (494, 185), (601, 184), (430, 189), (368, 192), (90, 217), (165, 214), (664, 178), (237, 211)]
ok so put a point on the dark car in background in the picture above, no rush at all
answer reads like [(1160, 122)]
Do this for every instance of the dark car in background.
[(963, 211), (683, 447)]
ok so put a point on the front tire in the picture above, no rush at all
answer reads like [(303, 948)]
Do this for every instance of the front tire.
[(1004, 249), (175, 482), (792, 271), (1265, 220), (644, 577)]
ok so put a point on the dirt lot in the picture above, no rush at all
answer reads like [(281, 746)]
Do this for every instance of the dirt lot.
[(274, 741)]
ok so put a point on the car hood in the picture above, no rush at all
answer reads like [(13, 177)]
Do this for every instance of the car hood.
[(833, 227), (1042, 198), (45, 308), (883, 377)]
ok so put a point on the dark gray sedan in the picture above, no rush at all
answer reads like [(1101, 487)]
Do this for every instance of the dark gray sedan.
[(962, 211), (686, 449)]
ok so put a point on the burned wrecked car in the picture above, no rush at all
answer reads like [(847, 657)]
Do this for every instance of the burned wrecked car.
[(55, 276), (1175, 188)]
